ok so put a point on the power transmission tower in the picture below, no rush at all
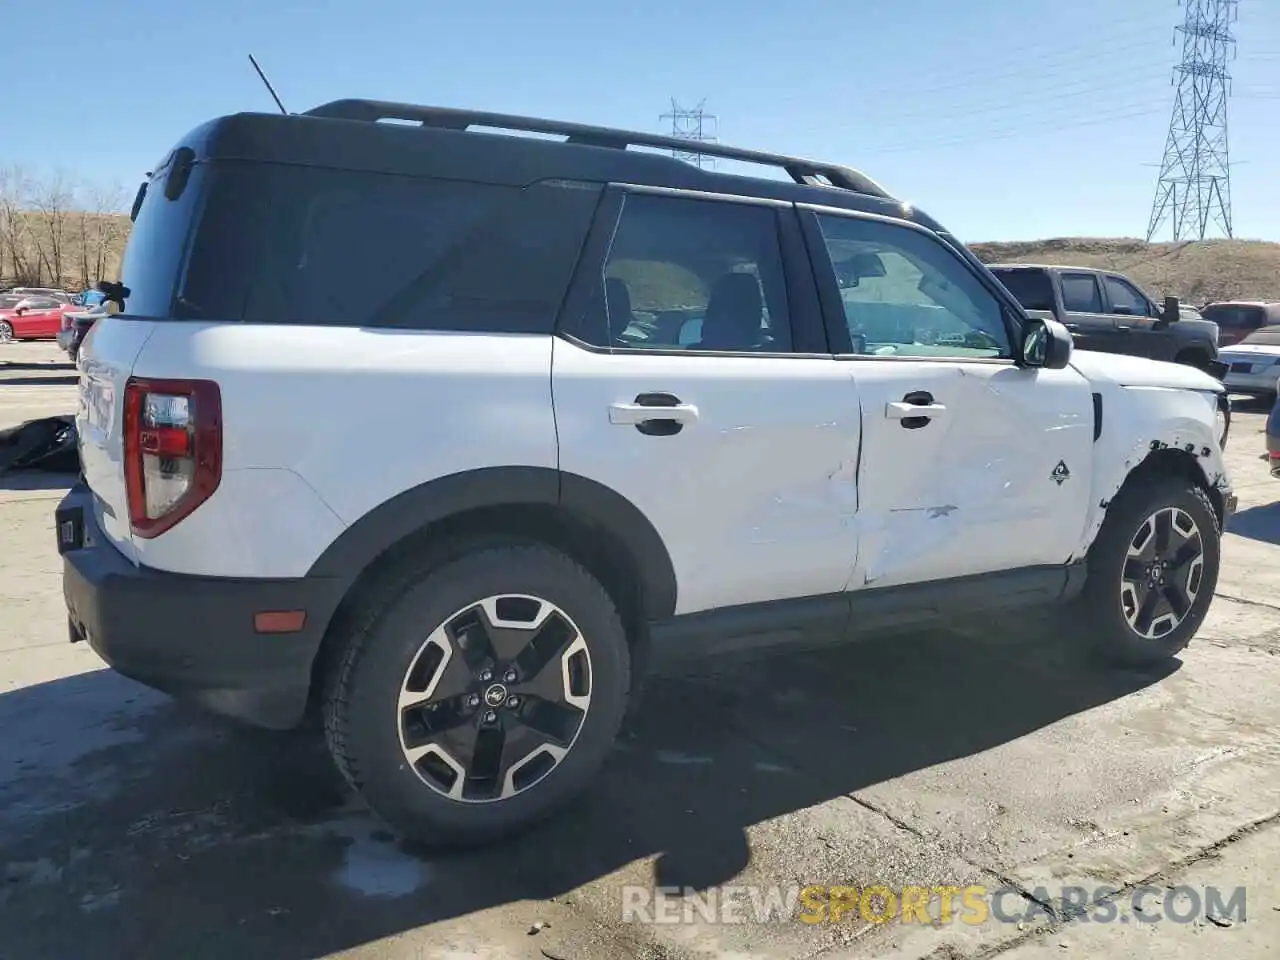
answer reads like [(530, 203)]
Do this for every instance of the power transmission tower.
[(1194, 188), (695, 125)]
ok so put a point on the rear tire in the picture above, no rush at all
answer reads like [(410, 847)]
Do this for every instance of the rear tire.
[(1152, 571), (447, 672)]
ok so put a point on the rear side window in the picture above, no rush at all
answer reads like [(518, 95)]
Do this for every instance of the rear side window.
[(308, 245), (1031, 288), (1080, 293)]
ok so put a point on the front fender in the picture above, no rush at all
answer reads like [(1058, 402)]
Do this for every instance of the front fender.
[(1139, 422)]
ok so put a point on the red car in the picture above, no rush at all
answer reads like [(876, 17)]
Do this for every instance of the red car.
[(33, 318)]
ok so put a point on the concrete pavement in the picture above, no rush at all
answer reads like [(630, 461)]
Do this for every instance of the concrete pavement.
[(134, 827)]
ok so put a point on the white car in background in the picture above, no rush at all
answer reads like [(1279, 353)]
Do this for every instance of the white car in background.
[(1253, 364)]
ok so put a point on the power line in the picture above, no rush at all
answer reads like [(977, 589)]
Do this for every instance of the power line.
[(1194, 186), (1055, 124), (694, 125), (1007, 104)]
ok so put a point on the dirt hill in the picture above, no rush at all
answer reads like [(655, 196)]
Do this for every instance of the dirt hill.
[(1197, 272)]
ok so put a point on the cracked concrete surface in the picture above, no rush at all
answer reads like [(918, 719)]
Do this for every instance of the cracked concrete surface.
[(134, 827)]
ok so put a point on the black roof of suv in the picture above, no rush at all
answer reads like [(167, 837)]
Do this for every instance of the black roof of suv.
[(397, 138), (243, 241)]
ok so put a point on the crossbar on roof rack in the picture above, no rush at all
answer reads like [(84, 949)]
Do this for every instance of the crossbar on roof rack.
[(799, 169)]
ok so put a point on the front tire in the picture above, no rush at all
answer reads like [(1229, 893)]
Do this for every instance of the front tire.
[(483, 697), (6, 331), (1152, 571)]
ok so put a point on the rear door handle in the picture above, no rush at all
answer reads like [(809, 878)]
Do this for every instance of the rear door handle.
[(654, 414)]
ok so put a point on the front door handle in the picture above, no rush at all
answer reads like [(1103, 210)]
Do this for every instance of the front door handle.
[(654, 414), (917, 409)]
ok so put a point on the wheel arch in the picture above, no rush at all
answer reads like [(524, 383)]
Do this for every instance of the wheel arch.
[(593, 524), (1153, 432), (1178, 462)]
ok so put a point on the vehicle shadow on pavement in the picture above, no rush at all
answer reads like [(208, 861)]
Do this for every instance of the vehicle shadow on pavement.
[(131, 826), (1260, 523)]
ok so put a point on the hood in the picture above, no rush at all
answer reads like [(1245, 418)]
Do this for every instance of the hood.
[(1127, 371)]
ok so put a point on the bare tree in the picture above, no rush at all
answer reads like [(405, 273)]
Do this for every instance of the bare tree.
[(111, 229), (52, 201), (15, 227), (53, 231)]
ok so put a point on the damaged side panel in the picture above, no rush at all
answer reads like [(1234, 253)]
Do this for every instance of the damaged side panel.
[(995, 477), (1142, 421)]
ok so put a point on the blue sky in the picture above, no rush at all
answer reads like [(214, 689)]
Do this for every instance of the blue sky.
[(1006, 119)]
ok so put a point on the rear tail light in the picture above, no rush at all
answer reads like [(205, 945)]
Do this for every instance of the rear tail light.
[(172, 450)]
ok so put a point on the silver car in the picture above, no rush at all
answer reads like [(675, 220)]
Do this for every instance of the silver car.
[(1253, 364)]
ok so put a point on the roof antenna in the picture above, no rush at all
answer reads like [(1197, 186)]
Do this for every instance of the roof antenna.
[(270, 89)]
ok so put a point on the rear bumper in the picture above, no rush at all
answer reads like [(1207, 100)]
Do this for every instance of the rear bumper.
[(191, 637)]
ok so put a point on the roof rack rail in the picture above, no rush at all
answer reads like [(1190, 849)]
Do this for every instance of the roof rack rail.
[(800, 170)]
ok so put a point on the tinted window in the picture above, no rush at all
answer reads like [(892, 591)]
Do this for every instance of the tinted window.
[(1235, 318), (157, 244), (318, 246), (1031, 288), (695, 275), (1080, 293), (1125, 296), (908, 295)]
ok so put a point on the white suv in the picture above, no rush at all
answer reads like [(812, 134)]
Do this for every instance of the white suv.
[(453, 435)]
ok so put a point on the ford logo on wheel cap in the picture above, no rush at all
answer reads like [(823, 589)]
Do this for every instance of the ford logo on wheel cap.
[(496, 695)]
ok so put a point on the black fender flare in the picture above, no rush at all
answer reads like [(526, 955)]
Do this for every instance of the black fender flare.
[(586, 500)]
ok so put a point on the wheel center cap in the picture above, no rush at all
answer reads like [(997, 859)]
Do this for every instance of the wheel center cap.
[(496, 695)]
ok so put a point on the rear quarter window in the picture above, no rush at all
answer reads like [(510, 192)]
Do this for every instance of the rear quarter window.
[(279, 244), (1031, 288)]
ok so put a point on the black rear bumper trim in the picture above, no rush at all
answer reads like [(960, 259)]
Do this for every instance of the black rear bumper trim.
[(190, 636)]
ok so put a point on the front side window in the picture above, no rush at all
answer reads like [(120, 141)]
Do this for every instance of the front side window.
[(1125, 299), (694, 275), (908, 295)]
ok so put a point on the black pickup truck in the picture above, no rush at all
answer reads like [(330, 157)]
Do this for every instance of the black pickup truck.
[(1110, 313)]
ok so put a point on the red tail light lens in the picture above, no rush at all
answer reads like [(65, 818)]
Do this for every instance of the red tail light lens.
[(172, 450)]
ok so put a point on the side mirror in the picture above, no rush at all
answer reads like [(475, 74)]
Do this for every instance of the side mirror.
[(20, 311), (1047, 344), (1172, 311)]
